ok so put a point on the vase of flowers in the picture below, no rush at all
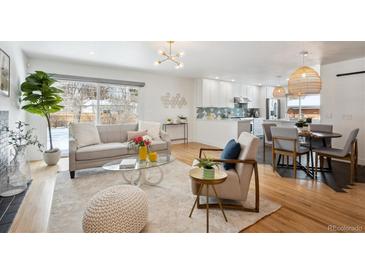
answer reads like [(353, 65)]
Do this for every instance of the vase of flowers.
[(141, 143), (207, 165), (18, 169)]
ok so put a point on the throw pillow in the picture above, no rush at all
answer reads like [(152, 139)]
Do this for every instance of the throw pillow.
[(231, 151), (133, 134), (85, 134), (153, 128)]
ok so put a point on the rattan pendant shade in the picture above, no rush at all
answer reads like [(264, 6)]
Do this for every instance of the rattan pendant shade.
[(303, 81), (279, 92)]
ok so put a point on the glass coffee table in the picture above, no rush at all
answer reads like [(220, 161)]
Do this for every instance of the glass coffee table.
[(144, 172)]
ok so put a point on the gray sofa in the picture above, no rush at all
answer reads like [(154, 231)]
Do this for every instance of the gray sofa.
[(113, 146)]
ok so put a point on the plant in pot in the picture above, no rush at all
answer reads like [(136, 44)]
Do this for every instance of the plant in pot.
[(207, 165), (301, 123), (42, 98)]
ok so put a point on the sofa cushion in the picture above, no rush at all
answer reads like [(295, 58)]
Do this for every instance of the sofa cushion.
[(115, 133), (134, 134), (85, 134), (158, 145), (100, 151), (153, 128)]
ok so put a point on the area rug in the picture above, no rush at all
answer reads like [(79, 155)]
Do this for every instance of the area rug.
[(169, 203)]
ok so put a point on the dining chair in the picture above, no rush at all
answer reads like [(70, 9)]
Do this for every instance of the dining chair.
[(285, 142), (348, 153), (267, 139), (321, 128), (320, 143)]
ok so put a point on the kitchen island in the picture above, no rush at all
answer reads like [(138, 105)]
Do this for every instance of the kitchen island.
[(219, 132)]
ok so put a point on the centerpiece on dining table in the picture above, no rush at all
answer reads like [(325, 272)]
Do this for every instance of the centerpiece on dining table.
[(142, 143)]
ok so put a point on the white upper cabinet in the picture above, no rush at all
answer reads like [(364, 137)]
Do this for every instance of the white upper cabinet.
[(216, 93), (225, 96), (253, 93)]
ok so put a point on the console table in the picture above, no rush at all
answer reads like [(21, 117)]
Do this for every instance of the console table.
[(186, 131)]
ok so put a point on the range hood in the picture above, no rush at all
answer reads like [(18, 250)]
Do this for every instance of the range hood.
[(241, 100)]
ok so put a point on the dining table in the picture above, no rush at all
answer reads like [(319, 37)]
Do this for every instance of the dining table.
[(317, 135)]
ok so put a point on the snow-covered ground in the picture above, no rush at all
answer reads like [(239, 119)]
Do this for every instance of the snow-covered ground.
[(60, 139)]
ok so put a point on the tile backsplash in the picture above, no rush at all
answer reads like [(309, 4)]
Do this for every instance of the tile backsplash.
[(221, 112), (4, 147)]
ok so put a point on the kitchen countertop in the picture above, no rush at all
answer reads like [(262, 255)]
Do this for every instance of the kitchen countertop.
[(248, 119), (314, 121)]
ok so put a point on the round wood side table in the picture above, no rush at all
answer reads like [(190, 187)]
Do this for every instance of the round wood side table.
[(219, 177)]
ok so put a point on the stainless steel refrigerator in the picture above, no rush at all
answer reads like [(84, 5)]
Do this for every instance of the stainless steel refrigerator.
[(272, 109)]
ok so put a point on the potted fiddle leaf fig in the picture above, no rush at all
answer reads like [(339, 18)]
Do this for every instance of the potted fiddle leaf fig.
[(40, 97), (207, 165)]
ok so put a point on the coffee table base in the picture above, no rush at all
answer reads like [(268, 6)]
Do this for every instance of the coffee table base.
[(143, 176)]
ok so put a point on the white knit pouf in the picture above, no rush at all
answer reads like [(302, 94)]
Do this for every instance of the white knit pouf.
[(116, 209)]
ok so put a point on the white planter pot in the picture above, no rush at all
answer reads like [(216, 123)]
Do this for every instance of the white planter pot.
[(52, 157), (208, 173)]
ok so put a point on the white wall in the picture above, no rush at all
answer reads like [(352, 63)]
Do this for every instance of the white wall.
[(17, 75), (343, 100), (150, 106)]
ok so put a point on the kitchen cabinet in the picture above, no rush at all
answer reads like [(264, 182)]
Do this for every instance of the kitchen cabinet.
[(253, 93), (216, 94)]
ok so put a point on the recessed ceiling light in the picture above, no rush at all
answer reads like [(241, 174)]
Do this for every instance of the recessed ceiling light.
[(217, 77), (233, 80), (92, 52), (260, 84)]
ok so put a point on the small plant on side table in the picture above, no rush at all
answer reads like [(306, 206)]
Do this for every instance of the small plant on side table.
[(207, 165)]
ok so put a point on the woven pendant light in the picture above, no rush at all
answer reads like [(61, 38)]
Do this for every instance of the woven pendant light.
[(278, 91), (304, 80)]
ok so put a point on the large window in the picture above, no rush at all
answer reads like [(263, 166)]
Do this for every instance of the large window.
[(92, 102), (309, 101), (310, 105)]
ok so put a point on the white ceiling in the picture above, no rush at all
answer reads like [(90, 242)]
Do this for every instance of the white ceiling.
[(246, 62)]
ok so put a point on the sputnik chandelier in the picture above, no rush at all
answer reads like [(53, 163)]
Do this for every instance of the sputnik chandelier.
[(169, 56)]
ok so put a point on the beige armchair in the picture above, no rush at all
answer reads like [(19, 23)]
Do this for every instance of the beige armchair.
[(234, 190)]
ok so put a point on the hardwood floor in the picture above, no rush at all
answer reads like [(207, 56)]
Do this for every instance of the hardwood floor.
[(307, 206)]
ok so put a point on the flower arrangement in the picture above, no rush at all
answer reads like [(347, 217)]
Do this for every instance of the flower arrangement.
[(21, 137), (301, 123), (141, 141)]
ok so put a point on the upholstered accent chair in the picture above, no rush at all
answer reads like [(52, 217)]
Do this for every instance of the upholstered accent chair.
[(348, 153), (234, 190), (285, 142), (267, 140)]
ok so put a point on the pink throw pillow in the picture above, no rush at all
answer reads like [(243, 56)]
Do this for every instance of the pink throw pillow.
[(133, 134)]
